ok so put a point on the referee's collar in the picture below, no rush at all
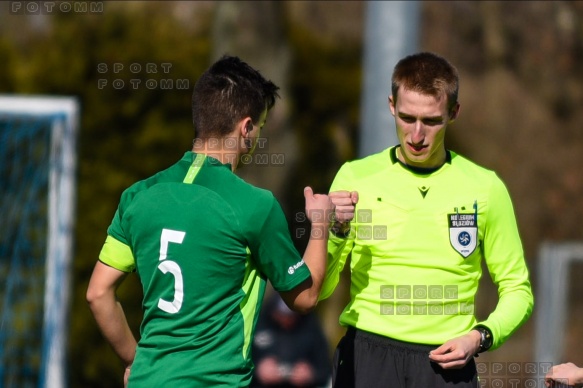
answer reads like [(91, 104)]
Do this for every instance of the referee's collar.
[(417, 170)]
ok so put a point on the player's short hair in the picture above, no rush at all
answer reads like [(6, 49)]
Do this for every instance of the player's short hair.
[(226, 93), (426, 73)]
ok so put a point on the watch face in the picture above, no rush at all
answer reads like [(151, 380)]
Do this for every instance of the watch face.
[(486, 338)]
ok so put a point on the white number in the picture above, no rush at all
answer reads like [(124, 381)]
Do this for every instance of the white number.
[(171, 236)]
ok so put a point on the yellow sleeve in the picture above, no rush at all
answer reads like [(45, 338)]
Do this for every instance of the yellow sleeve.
[(338, 248), (507, 266)]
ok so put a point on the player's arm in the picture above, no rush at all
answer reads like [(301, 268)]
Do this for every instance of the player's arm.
[(108, 313), (304, 297)]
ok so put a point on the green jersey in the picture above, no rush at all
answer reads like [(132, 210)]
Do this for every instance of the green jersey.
[(203, 243), (416, 247)]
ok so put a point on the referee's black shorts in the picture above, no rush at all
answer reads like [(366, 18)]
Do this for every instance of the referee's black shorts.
[(367, 360)]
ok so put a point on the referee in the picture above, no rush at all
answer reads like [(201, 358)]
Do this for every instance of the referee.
[(423, 219)]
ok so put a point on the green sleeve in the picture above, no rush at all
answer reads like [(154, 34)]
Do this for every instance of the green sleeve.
[(505, 260), (116, 251), (274, 252), (338, 248)]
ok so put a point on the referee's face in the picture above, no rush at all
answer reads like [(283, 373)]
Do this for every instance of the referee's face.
[(421, 121)]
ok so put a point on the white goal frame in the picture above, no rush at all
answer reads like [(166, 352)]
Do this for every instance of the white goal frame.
[(554, 265), (63, 114)]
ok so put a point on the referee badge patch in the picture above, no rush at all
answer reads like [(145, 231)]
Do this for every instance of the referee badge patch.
[(463, 232)]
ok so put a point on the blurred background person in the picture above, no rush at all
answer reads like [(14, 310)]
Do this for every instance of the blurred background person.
[(289, 349), (563, 375)]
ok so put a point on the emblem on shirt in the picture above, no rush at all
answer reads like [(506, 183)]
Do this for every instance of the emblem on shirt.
[(463, 232)]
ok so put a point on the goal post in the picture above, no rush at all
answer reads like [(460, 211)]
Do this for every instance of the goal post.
[(37, 186), (555, 260)]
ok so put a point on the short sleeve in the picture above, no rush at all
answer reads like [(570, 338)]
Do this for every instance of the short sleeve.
[(273, 250), (116, 251)]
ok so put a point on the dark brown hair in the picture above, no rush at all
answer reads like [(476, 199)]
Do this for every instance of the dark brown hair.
[(226, 93)]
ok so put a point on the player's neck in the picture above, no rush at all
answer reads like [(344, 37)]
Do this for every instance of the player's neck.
[(225, 156)]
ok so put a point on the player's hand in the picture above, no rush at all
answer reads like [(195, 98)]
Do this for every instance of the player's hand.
[(345, 202), (126, 375), (301, 375), (563, 375), (319, 207), (456, 352), (268, 372)]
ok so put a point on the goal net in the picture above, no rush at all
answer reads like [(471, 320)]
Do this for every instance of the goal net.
[(37, 199)]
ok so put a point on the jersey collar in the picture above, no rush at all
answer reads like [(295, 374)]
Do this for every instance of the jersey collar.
[(417, 170)]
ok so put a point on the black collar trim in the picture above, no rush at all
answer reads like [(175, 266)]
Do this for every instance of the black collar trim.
[(417, 170)]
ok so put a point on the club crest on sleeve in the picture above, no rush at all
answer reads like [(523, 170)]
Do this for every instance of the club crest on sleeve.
[(463, 232)]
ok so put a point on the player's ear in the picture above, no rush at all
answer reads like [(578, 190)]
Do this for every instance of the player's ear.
[(246, 126)]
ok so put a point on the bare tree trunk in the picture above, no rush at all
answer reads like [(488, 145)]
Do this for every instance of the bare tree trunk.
[(493, 34), (254, 31)]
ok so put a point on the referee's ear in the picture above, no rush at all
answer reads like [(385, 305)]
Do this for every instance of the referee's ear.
[(455, 111)]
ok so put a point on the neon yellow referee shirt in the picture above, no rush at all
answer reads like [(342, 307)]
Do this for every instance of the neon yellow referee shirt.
[(416, 247)]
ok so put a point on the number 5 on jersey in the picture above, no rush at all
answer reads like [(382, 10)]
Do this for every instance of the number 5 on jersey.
[(176, 237)]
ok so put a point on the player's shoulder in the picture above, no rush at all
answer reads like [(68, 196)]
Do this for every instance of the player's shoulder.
[(242, 197), (174, 173), (245, 189)]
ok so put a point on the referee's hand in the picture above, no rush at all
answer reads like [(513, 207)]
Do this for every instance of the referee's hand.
[(456, 352), (345, 202)]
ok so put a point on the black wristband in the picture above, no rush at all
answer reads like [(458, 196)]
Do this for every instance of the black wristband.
[(338, 231)]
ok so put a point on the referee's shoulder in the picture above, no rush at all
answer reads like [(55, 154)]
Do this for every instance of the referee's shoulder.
[(470, 171)]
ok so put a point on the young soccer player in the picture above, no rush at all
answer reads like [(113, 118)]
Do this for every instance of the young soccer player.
[(203, 243)]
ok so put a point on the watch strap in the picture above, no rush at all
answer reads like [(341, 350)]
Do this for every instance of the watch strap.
[(486, 339)]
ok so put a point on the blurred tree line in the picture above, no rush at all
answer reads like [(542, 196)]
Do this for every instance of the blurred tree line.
[(133, 67)]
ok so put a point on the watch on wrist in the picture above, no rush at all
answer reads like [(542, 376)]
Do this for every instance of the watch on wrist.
[(486, 339), (340, 230)]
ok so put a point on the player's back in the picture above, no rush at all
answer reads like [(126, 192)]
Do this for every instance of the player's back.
[(190, 244)]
